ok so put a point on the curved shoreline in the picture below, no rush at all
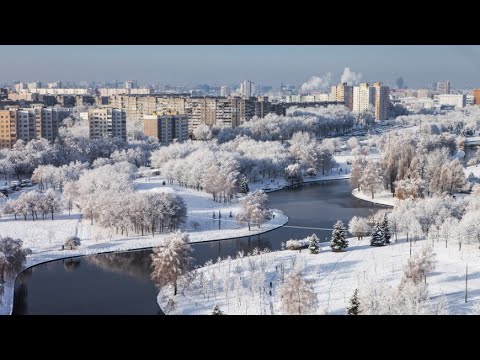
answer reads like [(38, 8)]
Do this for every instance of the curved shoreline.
[(384, 202), (42, 258), (123, 246)]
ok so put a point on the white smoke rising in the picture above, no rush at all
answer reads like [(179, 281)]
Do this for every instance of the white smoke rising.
[(350, 77), (317, 83)]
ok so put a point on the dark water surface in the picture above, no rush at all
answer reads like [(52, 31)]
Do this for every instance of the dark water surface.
[(120, 283)]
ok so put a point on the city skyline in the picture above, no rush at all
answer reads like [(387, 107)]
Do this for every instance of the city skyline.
[(420, 66)]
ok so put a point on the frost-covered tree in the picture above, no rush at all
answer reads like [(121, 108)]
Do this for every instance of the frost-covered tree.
[(297, 297), (313, 244), (293, 173), (254, 209), (339, 237), (244, 185), (385, 229), (378, 238), (371, 180), (353, 308), (202, 132), (353, 143), (12, 257), (172, 260), (420, 265), (52, 201), (356, 173), (410, 188), (359, 227)]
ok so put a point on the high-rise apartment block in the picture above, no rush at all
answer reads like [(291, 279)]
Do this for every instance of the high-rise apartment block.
[(219, 111), (443, 87), (363, 97), (166, 128), (225, 91), (247, 88), (107, 122), (8, 128), (51, 119), (381, 101), (342, 92), (476, 96)]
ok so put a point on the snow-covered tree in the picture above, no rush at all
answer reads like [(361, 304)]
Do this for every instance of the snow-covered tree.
[(313, 244), (353, 308), (420, 265), (378, 238), (202, 132), (371, 180), (385, 229), (410, 188), (359, 227), (244, 185), (172, 260), (12, 257), (52, 201), (216, 310), (356, 173), (297, 297), (339, 237), (293, 173), (254, 209), (71, 242)]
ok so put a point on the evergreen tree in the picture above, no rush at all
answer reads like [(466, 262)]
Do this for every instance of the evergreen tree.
[(386, 230), (216, 311), (354, 304), (313, 245), (244, 185), (339, 237), (377, 236)]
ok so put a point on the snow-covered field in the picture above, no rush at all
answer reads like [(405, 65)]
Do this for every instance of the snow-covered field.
[(335, 277), (46, 237)]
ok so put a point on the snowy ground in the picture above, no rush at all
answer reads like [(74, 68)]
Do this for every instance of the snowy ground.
[(46, 237), (383, 198), (335, 276), (475, 169)]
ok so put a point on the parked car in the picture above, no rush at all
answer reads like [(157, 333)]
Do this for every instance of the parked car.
[(15, 183), (26, 182)]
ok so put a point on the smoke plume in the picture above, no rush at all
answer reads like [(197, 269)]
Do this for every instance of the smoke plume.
[(317, 83), (350, 77)]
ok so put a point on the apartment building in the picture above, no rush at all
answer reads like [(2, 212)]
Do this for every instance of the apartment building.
[(8, 128), (381, 101), (166, 128), (363, 97), (107, 122)]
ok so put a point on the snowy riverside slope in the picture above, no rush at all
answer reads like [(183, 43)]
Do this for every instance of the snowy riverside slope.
[(46, 237), (335, 277)]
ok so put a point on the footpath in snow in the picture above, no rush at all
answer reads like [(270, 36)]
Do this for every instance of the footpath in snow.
[(334, 276), (46, 237)]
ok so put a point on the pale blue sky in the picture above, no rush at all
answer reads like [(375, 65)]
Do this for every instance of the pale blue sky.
[(267, 64)]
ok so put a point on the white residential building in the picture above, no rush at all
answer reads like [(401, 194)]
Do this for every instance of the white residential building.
[(363, 97), (457, 100), (106, 122), (225, 91), (247, 88)]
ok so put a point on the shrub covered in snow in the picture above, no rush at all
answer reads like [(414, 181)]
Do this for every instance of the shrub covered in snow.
[(71, 243), (298, 244)]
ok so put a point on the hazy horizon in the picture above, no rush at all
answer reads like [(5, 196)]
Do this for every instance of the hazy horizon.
[(420, 66)]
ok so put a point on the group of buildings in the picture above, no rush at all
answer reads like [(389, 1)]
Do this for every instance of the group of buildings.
[(357, 98), (31, 111)]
